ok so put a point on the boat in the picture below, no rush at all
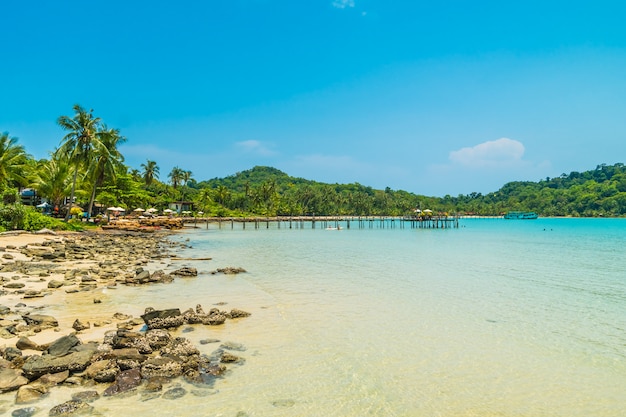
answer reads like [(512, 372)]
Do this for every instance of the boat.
[(521, 215)]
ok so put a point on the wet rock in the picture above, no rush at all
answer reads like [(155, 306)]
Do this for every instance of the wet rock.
[(185, 272), (161, 319), (30, 393), (14, 285), (180, 347), (50, 380), (233, 346), (161, 367), (11, 354), (24, 412), (121, 316), (230, 358), (158, 338), (125, 381), (129, 339), (71, 408), (231, 270), (283, 403), (103, 371), (174, 393), (236, 313), (86, 396), (11, 379), (155, 384), (207, 341), (36, 366)]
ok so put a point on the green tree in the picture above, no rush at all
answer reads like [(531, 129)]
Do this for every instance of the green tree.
[(13, 160), (80, 141), (53, 179), (107, 160), (150, 171)]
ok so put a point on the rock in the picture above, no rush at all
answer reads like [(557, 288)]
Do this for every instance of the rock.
[(51, 380), (36, 366), (283, 403), (154, 384), (158, 338), (125, 381), (86, 396), (231, 270), (53, 283), (24, 343), (30, 393), (161, 367), (24, 412), (230, 358), (121, 316), (71, 408), (207, 341), (236, 313), (174, 393), (7, 256), (41, 320), (63, 345), (185, 271), (79, 325), (128, 339), (233, 346), (103, 371), (33, 294), (180, 347), (161, 319), (11, 353), (11, 379), (14, 285)]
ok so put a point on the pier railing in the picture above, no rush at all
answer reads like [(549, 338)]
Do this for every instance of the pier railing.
[(348, 222)]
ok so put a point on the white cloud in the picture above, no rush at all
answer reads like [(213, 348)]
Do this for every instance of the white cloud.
[(256, 147), (342, 4), (491, 154)]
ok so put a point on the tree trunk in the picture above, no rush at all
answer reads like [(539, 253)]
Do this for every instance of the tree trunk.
[(67, 215)]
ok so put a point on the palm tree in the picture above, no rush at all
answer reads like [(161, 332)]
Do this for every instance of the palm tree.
[(176, 176), (107, 160), (12, 161), (52, 179), (150, 171), (79, 142)]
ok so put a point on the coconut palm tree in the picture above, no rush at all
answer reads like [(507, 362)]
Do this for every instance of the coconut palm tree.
[(78, 144), (150, 171), (52, 179), (176, 176), (13, 160), (107, 160)]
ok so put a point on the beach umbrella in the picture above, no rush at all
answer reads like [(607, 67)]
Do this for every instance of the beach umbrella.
[(44, 205), (186, 212), (111, 208), (168, 211), (428, 211), (138, 210), (201, 212), (119, 209), (151, 210)]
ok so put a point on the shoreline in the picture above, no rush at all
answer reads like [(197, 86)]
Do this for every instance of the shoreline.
[(48, 271)]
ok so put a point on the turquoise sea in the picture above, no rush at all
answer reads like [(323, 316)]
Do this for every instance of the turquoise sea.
[(496, 318)]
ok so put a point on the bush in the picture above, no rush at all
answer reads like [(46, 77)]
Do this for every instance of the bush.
[(19, 217)]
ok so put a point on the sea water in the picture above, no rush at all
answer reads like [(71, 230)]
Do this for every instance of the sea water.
[(495, 318)]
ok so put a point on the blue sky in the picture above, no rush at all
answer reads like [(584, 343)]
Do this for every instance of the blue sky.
[(435, 98)]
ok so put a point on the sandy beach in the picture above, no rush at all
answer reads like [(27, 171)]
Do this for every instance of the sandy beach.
[(43, 272)]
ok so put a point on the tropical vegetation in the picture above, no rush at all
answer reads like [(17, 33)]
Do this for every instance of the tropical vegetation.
[(87, 173)]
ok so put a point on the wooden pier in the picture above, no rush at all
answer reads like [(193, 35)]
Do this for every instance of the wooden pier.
[(325, 222)]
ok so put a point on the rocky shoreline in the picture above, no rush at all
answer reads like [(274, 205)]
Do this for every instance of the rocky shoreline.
[(137, 355)]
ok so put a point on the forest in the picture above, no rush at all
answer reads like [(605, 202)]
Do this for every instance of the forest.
[(88, 169)]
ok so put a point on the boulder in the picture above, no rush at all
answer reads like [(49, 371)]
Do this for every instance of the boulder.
[(24, 343), (71, 408), (53, 283), (36, 366), (125, 381), (79, 325), (30, 393), (11, 379), (103, 371), (161, 367), (162, 319), (41, 320), (63, 345), (185, 271)]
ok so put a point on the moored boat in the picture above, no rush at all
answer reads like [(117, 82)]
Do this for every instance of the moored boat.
[(521, 215)]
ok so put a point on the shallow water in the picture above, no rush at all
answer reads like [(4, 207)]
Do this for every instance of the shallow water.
[(496, 318)]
